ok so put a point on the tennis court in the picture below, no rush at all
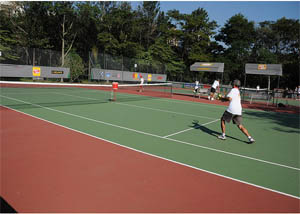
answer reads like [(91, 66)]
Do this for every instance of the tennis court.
[(72, 150)]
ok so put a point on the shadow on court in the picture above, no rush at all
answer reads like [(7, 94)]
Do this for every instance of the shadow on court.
[(5, 207), (196, 125), (290, 123), (52, 103)]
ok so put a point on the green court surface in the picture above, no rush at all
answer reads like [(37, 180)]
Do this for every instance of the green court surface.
[(289, 101), (181, 131)]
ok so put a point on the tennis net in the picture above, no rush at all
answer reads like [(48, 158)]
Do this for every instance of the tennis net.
[(132, 91), (58, 94), (253, 95)]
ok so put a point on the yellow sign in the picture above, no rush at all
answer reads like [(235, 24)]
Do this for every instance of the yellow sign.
[(149, 77), (57, 72), (36, 71), (262, 67), (204, 69)]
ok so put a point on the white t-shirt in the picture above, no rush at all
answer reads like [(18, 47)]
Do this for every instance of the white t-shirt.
[(142, 81), (196, 85), (235, 106), (215, 84)]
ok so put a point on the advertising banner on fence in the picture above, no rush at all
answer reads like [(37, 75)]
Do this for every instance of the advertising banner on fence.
[(36, 71), (104, 74), (10, 70)]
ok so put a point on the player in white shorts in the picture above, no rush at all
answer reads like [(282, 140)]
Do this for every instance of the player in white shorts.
[(234, 112)]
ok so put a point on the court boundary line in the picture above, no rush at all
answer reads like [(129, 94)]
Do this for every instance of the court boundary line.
[(204, 124), (136, 106), (154, 135), (156, 156), (167, 111), (185, 102)]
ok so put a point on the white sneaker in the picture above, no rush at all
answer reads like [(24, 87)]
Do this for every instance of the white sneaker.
[(208, 97), (222, 137), (251, 140), (212, 99)]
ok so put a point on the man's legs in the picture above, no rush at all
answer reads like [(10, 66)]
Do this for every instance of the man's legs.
[(236, 120), (245, 131), (212, 93), (223, 128)]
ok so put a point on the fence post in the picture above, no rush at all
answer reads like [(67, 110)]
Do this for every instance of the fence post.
[(33, 57), (89, 71)]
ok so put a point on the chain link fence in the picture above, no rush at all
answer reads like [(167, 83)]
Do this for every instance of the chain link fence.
[(122, 63), (32, 56), (51, 58)]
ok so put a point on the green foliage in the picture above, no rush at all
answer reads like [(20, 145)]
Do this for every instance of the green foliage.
[(30, 23), (6, 38), (75, 63), (159, 42), (5, 43)]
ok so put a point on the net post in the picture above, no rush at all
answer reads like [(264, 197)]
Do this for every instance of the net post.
[(114, 91)]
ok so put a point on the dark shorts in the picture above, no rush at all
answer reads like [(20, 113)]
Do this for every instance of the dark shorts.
[(236, 119), (212, 90)]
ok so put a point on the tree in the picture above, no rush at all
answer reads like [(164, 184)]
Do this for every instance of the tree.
[(169, 62), (286, 32), (63, 26), (88, 16), (195, 33), (75, 63), (26, 23), (277, 42), (148, 14), (235, 35), (105, 38), (6, 42), (7, 39), (29, 22), (198, 32)]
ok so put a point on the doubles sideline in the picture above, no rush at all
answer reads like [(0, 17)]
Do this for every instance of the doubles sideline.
[(152, 155), (154, 135)]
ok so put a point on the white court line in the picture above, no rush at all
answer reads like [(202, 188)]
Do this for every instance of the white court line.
[(204, 124), (167, 111), (157, 136), (143, 107), (70, 95), (81, 117), (156, 156)]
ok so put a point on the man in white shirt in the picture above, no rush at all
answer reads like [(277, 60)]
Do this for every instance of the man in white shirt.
[(234, 112), (196, 87), (213, 89)]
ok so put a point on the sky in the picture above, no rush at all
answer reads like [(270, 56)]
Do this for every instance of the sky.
[(222, 11)]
